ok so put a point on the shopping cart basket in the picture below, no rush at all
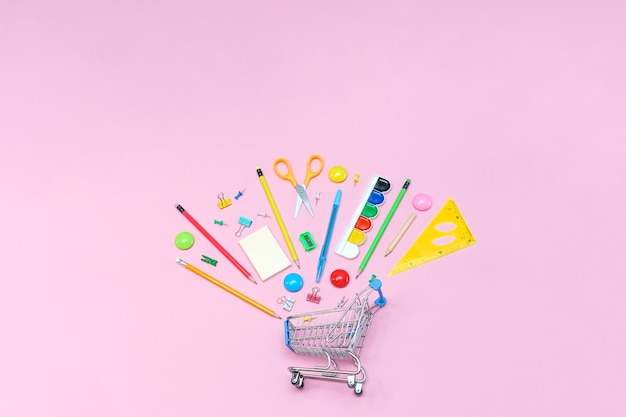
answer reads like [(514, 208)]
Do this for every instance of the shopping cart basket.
[(339, 333)]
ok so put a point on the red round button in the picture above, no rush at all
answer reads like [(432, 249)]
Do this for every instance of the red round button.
[(339, 278)]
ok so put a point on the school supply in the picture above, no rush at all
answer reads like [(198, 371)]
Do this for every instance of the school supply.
[(383, 227), (244, 223), (339, 278), (422, 202), (184, 240), (313, 297), (337, 334), (287, 302), (293, 282), (428, 246), (400, 234), (321, 262), (208, 260), (228, 289), (307, 241), (361, 221), (215, 243), (337, 174), (301, 197), (278, 217), (223, 202), (342, 302), (239, 194), (264, 252)]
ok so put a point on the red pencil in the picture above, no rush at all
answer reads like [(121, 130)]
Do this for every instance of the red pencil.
[(216, 243)]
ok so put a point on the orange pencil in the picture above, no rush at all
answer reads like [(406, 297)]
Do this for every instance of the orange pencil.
[(228, 289)]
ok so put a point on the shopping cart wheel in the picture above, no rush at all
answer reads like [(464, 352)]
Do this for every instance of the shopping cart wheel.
[(358, 389), (300, 383), (295, 377), (351, 381)]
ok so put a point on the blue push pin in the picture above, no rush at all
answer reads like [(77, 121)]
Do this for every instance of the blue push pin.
[(293, 282), (239, 194)]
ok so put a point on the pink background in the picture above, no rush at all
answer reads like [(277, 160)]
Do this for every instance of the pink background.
[(112, 112)]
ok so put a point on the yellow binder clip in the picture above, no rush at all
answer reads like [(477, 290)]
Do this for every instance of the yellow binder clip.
[(223, 202)]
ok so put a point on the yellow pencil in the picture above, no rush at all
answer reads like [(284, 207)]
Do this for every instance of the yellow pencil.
[(279, 219), (228, 289)]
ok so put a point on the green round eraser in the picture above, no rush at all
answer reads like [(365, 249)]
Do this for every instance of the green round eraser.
[(184, 240)]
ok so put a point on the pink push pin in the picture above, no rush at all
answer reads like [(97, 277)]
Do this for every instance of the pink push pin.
[(422, 202)]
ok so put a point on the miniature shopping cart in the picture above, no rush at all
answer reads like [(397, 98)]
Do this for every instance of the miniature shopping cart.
[(339, 333)]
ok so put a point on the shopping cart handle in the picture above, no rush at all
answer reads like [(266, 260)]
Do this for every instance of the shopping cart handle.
[(376, 284)]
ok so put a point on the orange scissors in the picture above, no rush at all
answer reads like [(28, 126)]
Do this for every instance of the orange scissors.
[(300, 188)]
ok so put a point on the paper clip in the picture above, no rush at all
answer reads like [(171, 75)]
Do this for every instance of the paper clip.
[(287, 302), (224, 202), (313, 297), (239, 194), (208, 260), (244, 223), (342, 302)]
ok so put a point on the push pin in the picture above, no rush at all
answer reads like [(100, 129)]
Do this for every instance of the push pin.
[(287, 302), (208, 260), (244, 223), (239, 194), (342, 302), (317, 197), (263, 214), (356, 178), (307, 319), (220, 222), (224, 202), (313, 297)]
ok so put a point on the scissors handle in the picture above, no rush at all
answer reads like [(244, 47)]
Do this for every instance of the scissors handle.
[(288, 176), (310, 174)]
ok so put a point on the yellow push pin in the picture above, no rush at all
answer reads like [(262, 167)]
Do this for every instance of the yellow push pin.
[(356, 178)]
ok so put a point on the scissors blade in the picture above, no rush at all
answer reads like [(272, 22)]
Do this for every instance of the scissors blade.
[(303, 198), (298, 205), (308, 207)]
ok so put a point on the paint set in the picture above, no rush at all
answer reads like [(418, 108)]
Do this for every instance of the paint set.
[(362, 219)]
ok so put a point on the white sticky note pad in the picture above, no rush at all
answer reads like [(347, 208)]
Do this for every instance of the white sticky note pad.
[(266, 255)]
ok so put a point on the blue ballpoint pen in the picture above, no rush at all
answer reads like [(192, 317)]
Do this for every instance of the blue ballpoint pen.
[(331, 224)]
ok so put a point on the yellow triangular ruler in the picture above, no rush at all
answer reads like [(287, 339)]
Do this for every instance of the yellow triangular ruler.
[(447, 224)]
